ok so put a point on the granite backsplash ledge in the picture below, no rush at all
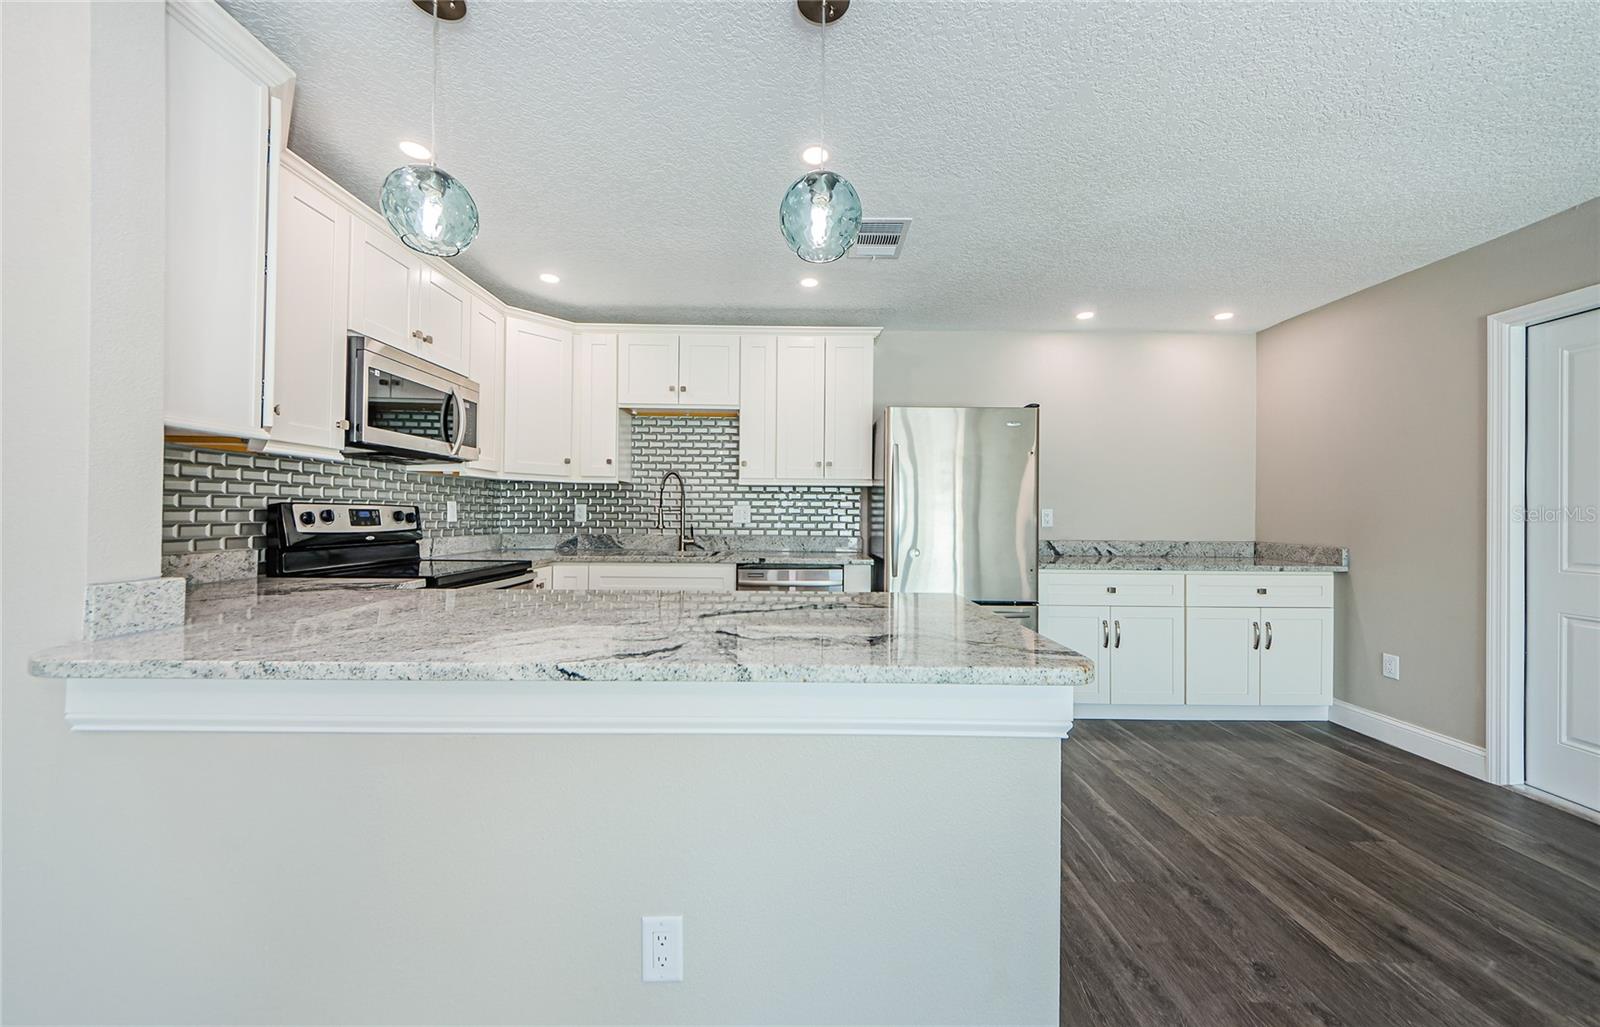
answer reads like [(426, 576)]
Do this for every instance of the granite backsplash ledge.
[(1333, 557)]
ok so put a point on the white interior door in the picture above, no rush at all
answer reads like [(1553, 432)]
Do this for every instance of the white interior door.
[(1563, 558)]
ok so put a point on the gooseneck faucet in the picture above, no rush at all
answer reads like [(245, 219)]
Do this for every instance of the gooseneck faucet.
[(685, 533)]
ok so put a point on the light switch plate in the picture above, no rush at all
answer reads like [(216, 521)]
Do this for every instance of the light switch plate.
[(580, 513), (451, 514), (1391, 666), (741, 514), (1047, 517)]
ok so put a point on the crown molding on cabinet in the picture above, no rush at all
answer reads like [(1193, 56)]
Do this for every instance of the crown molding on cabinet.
[(217, 29)]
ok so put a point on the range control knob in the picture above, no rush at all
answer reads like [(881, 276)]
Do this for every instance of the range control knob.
[(411, 517), (307, 517), (327, 516), (399, 515)]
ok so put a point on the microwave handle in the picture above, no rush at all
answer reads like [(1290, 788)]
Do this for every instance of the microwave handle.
[(461, 422)]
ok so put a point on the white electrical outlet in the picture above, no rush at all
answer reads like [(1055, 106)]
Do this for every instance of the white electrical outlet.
[(580, 513), (1391, 666), (1047, 518), (741, 514), (663, 948), (451, 514)]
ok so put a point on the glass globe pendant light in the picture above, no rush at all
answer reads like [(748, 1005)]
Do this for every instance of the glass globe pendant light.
[(820, 215), (428, 208)]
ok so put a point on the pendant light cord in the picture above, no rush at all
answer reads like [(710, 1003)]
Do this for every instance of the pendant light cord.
[(822, 105), (433, 95)]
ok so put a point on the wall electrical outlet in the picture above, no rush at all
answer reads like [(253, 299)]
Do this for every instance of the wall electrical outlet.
[(451, 514), (663, 948), (580, 513), (1047, 518), (1391, 666), (741, 514)]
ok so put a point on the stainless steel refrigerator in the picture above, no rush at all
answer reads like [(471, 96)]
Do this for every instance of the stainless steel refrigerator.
[(960, 504)]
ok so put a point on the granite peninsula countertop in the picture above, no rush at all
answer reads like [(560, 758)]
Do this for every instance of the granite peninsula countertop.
[(236, 630)]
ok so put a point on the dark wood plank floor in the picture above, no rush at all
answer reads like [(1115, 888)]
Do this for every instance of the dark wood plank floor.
[(1276, 874)]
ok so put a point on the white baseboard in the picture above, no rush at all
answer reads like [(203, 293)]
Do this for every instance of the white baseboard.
[(1472, 760), (1114, 711)]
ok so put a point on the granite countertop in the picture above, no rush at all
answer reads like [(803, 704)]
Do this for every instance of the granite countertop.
[(1188, 564), (242, 630)]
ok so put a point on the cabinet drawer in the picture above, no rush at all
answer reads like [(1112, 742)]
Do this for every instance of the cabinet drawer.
[(662, 577), (1130, 588), (571, 576), (1279, 589)]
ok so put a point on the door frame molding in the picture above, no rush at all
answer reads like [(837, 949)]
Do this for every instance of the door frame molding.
[(1505, 643)]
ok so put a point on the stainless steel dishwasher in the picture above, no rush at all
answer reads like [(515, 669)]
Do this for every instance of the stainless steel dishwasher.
[(779, 577)]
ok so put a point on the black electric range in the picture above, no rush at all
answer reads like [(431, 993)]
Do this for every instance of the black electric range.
[(371, 542)]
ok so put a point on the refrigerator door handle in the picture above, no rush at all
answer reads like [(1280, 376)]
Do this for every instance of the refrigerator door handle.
[(894, 543)]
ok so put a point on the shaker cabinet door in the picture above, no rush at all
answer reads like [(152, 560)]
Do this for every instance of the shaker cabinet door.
[(708, 371), (313, 248), (384, 280), (848, 409), (538, 401), (1224, 665), (800, 421), (1296, 657), (647, 369), (1146, 656), (1086, 630)]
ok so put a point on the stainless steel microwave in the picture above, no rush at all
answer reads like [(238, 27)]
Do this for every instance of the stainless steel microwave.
[(402, 407)]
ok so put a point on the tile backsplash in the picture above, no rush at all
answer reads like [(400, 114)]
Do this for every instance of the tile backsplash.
[(215, 501)]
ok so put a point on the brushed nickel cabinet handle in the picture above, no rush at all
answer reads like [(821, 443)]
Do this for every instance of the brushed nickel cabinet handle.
[(672, 388), (1112, 589), (1105, 634), (566, 460), (416, 333), (1269, 634), (744, 463), (608, 460), (1261, 591), (343, 422), (1117, 624), (1256, 631), (428, 339), (683, 388), (277, 408), (829, 463)]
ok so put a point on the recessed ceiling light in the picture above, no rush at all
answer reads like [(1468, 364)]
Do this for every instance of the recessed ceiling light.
[(549, 279), (815, 156), (1226, 315), (808, 283), (1084, 315), (416, 151)]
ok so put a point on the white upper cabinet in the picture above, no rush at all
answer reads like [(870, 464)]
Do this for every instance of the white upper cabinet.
[(597, 421), (665, 369), (224, 96), (758, 399), (539, 401), (807, 401), (486, 356), (708, 371), (307, 356), (384, 283), (398, 298), (798, 407), (444, 318), (647, 369), (847, 407)]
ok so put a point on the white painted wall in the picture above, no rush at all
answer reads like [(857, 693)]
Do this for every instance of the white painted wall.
[(1142, 436)]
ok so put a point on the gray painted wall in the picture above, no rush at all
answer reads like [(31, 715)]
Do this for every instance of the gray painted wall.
[(1142, 436), (1371, 433)]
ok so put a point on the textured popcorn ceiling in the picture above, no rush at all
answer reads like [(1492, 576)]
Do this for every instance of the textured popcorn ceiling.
[(1156, 162)]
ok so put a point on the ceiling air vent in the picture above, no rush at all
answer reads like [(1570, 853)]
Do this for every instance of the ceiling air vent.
[(880, 238)]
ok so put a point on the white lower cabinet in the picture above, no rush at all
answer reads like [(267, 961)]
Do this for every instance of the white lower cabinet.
[(571, 577), (1138, 650), (1230, 654), (1085, 630), (1296, 657)]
